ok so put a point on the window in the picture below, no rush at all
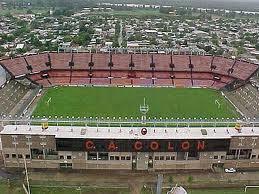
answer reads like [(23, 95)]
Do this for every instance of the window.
[(19, 155), (172, 157), (222, 157), (112, 158), (253, 156), (216, 157), (167, 157), (162, 157), (128, 158), (69, 157), (6, 155), (92, 155), (65, 165), (103, 156), (150, 157), (117, 158), (61, 157), (13, 155), (27, 156), (123, 157), (156, 157)]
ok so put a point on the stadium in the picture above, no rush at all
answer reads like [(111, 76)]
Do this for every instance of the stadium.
[(134, 111)]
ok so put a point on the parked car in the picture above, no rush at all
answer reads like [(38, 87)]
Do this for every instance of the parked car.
[(230, 170)]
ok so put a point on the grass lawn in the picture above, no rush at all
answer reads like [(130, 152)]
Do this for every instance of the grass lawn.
[(125, 102), (16, 188), (10, 188), (223, 191), (62, 190)]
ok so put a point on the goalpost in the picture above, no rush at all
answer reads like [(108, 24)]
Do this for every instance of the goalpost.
[(48, 101), (217, 103), (250, 186)]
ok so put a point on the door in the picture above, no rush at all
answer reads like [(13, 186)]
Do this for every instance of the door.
[(142, 161)]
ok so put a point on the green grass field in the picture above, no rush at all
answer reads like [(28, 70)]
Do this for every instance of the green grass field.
[(223, 191), (125, 102), (17, 189)]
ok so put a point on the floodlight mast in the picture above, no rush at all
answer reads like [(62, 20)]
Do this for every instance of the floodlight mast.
[(144, 110)]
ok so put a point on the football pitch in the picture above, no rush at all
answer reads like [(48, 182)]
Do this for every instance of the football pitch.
[(125, 102)]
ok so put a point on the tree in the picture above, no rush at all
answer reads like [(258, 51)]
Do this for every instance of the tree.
[(82, 39), (29, 11), (240, 50), (190, 179)]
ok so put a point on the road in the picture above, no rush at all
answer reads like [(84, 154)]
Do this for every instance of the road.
[(120, 38)]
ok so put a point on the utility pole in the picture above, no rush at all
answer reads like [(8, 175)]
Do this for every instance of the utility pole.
[(159, 183), (27, 177)]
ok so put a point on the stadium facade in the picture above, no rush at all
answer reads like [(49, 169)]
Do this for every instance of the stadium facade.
[(129, 148)]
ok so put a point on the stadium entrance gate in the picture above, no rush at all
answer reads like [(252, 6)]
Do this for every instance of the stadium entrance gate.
[(142, 161)]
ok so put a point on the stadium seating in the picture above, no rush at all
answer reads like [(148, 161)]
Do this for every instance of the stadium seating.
[(119, 74), (101, 61), (16, 66), (142, 62), (162, 62), (201, 63), (243, 69), (100, 81), (121, 81), (60, 60), (143, 74), (130, 69), (181, 62), (222, 65), (142, 82), (246, 99), (163, 82), (10, 95), (81, 60), (182, 83), (38, 62), (121, 61)]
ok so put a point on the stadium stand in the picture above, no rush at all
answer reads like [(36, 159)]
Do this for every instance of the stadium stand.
[(246, 99), (201, 64), (37, 62), (117, 61), (162, 62), (81, 60), (60, 60), (10, 95), (121, 81), (181, 63), (141, 62), (50, 69), (242, 69), (16, 66)]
